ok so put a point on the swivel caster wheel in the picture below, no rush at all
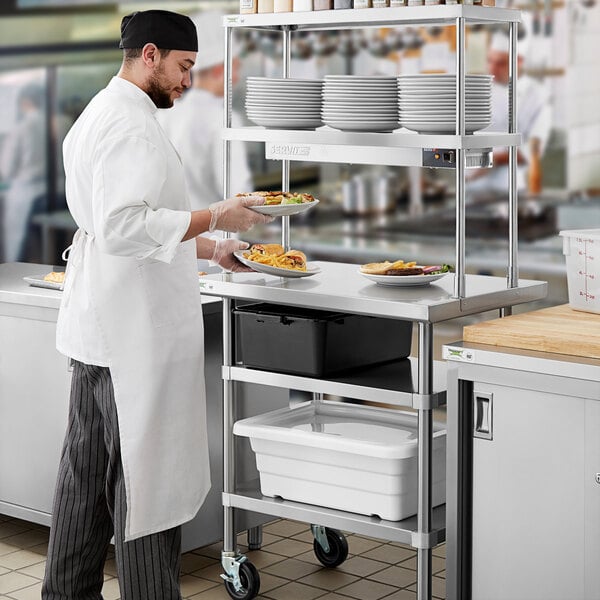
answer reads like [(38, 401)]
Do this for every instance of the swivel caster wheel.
[(336, 551), (249, 580)]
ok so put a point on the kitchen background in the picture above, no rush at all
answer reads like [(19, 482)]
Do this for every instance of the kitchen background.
[(56, 54)]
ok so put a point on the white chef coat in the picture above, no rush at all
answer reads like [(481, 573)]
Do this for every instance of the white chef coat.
[(131, 301), (194, 127), (23, 166), (534, 119)]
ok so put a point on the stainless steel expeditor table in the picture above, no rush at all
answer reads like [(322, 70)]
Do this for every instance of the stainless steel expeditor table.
[(341, 287)]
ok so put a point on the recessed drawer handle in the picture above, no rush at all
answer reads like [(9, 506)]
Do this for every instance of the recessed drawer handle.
[(482, 415)]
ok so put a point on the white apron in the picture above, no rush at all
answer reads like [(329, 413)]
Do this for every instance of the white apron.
[(141, 317), (153, 332)]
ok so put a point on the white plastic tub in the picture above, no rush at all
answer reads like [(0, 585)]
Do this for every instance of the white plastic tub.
[(343, 456), (581, 248)]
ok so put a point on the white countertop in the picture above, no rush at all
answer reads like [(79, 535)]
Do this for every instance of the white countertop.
[(546, 363)]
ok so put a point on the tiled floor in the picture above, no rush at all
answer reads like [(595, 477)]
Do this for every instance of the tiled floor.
[(288, 569)]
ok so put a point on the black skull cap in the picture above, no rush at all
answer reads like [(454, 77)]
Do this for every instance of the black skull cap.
[(165, 29)]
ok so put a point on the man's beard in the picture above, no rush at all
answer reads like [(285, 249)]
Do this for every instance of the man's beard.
[(158, 94)]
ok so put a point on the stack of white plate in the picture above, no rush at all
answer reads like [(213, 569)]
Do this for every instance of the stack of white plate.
[(428, 102), (284, 103), (360, 103)]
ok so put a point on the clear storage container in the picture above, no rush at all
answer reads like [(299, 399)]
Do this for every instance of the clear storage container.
[(581, 248), (355, 458)]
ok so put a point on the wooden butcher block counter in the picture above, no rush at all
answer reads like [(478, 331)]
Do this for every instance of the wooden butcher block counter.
[(557, 329)]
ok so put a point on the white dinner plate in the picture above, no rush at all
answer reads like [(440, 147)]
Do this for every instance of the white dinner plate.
[(311, 269), (450, 83), (288, 124), (276, 103), (280, 89), (354, 115), (375, 91), (286, 79), (429, 92), (284, 210), (371, 89), (284, 88), (282, 120), (350, 102), (358, 109), (332, 85), (471, 115), (266, 81), (443, 77), (450, 121), (41, 283), (428, 127), (446, 89), (360, 78), (403, 280), (281, 114), (385, 127), (365, 84), (444, 116), (439, 106), (360, 100), (298, 98), (414, 94), (449, 101)]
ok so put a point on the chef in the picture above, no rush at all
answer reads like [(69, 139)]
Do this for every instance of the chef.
[(534, 120), (23, 166), (135, 459), (194, 123)]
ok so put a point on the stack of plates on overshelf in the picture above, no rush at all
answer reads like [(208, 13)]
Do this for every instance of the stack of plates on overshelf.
[(284, 103), (427, 103), (360, 103)]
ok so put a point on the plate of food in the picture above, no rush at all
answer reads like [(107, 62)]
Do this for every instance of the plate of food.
[(403, 274), (53, 281), (272, 259), (282, 204)]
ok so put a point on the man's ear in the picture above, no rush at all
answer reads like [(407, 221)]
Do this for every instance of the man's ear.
[(150, 55)]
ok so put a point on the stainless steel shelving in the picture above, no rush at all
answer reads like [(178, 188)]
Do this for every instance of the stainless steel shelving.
[(394, 149), (403, 532), (340, 287), (374, 17), (332, 137)]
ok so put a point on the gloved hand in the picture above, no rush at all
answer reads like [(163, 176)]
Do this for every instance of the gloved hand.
[(223, 255), (233, 215)]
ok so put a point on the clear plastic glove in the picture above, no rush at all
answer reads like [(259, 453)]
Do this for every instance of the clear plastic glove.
[(233, 215), (223, 255)]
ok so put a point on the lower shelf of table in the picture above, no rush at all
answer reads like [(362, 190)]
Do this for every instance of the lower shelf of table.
[(394, 383), (403, 532)]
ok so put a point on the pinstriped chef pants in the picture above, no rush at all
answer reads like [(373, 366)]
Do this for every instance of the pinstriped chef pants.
[(90, 507)]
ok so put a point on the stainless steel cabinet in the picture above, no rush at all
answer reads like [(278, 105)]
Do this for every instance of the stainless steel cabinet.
[(524, 519), (34, 398)]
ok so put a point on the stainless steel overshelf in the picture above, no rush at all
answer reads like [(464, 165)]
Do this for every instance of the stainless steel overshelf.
[(340, 286), (375, 155), (298, 142), (403, 532), (393, 383), (375, 17)]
